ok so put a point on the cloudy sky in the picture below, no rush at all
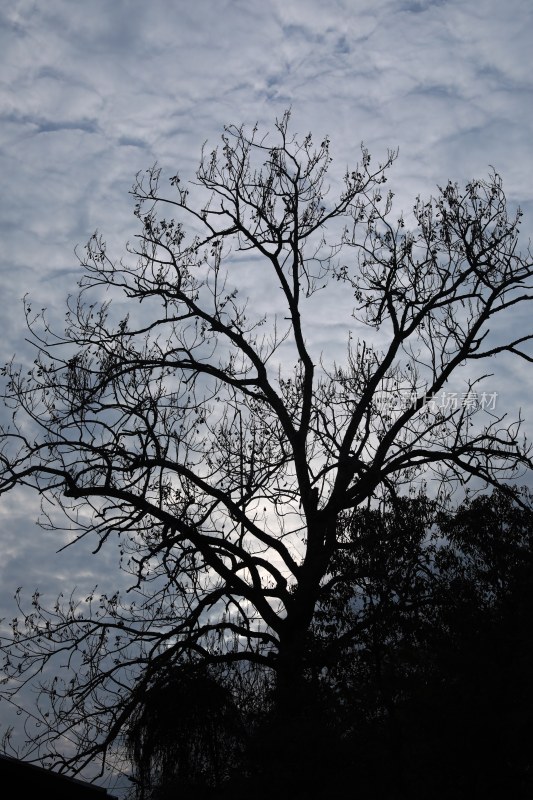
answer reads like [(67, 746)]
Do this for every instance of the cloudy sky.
[(91, 91)]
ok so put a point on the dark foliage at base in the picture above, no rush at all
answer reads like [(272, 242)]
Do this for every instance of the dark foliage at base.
[(435, 700)]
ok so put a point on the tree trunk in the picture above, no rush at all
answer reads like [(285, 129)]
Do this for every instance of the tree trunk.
[(296, 736)]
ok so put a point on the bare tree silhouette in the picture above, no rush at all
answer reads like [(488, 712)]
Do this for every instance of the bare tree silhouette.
[(205, 436)]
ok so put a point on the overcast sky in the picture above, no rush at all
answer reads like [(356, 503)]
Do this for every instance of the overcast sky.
[(94, 90)]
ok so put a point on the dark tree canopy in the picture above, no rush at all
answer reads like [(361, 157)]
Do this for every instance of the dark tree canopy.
[(434, 697), (207, 436)]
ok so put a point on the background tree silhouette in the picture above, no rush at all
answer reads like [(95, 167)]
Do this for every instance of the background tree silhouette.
[(210, 439), (434, 698)]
